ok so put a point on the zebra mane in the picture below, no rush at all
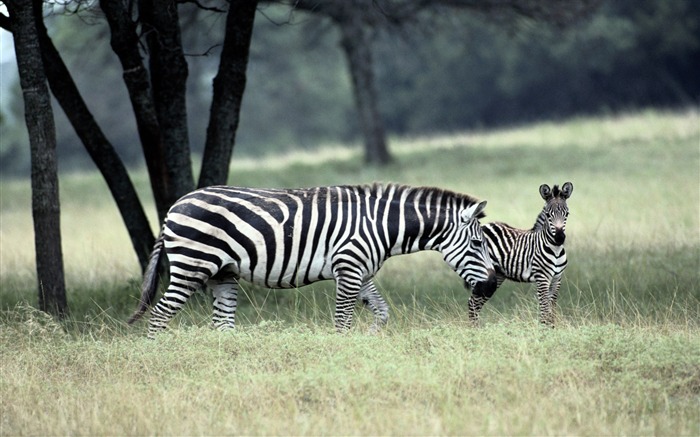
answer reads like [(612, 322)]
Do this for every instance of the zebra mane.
[(378, 189), (556, 191), (539, 224)]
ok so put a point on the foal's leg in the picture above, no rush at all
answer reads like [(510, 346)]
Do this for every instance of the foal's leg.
[(545, 301)]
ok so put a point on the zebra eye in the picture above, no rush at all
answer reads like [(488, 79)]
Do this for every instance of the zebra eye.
[(476, 243)]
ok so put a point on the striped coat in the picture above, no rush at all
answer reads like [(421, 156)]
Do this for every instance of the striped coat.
[(532, 255), (220, 235)]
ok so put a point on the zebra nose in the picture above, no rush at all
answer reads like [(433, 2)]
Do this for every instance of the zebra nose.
[(559, 236), (487, 287)]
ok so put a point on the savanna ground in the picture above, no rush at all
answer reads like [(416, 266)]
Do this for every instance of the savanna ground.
[(624, 359)]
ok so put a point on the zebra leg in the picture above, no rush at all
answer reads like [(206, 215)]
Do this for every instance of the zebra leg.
[(478, 299), (553, 295), (545, 302), (371, 298), (225, 291), (180, 289), (348, 284)]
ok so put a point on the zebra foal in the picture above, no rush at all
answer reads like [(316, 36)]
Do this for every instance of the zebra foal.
[(219, 235), (534, 255)]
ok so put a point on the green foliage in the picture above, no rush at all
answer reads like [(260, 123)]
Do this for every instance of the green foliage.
[(450, 72), (474, 72), (298, 92)]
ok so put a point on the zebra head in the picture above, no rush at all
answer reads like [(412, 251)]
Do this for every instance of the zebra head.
[(552, 219), (467, 252)]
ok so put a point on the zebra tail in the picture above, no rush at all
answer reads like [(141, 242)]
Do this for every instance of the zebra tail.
[(149, 286)]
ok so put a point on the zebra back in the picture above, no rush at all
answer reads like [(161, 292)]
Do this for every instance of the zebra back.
[(287, 237)]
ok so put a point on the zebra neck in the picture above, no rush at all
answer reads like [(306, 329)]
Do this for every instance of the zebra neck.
[(547, 242), (411, 219), (539, 224), (420, 229)]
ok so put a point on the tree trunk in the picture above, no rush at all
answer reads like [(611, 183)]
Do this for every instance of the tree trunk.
[(357, 46), (168, 80), (97, 145), (229, 85), (125, 44), (42, 141)]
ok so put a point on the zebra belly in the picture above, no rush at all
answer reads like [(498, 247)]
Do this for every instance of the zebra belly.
[(296, 277), (523, 274)]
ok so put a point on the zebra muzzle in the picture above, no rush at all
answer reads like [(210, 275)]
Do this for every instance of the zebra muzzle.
[(488, 287), (559, 237)]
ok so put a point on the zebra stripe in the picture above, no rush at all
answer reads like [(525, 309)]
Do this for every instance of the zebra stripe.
[(219, 235), (534, 255)]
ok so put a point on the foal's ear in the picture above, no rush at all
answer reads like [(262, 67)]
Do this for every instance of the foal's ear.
[(474, 211), (566, 190), (545, 192)]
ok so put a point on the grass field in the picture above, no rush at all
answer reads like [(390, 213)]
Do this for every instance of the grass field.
[(624, 359)]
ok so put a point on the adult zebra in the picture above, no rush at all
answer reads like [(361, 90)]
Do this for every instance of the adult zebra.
[(534, 255), (289, 238)]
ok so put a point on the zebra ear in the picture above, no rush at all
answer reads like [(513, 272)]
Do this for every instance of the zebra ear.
[(566, 190), (545, 192), (474, 211)]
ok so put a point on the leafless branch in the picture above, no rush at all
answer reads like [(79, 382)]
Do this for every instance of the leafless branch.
[(289, 20), (206, 53), (199, 5), (398, 13)]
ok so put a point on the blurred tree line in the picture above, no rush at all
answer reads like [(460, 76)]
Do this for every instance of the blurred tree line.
[(630, 54), (455, 71), (431, 65)]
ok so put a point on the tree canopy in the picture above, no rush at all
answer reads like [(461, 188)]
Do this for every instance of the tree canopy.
[(459, 71)]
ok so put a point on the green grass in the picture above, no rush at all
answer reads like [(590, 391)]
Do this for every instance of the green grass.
[(508, 378), (623, 359)]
